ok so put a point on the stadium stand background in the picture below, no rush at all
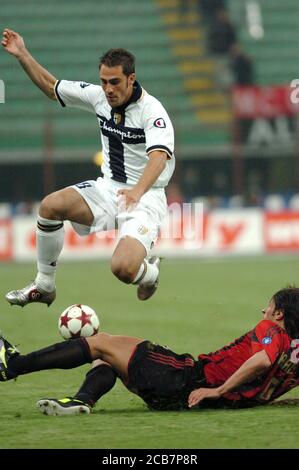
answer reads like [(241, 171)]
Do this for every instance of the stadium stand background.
[(173, 64)]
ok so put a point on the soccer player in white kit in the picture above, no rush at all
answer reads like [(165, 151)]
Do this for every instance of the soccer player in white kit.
[(138, 161)]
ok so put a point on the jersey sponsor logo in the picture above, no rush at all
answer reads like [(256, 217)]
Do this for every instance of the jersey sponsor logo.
[(267, 340), (286, 363), (127, 135), (159, 122), (84, 85)]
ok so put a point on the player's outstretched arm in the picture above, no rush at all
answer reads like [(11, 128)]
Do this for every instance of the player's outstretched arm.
[(254, 366), (14, 44)]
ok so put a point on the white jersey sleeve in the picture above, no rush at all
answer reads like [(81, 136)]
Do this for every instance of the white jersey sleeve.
[(159, 133), (78, 94)]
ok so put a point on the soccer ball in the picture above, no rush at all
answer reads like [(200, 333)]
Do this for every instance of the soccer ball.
[(77, 321)]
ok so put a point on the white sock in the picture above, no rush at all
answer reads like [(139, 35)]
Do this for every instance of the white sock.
[(49, 243), (147, 274)]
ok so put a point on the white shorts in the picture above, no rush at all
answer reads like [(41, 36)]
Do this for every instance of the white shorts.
[(141, 222)]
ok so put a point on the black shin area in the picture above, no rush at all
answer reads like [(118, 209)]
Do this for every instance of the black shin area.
[(98, 381), (66, 355)]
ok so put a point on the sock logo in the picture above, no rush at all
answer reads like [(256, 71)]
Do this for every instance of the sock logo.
[(53, 264)]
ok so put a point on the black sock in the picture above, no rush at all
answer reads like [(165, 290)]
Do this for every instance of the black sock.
[(98, 381), (65, 355)]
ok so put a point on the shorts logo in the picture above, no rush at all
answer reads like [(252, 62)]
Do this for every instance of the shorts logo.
[(159, 123), (267, 340), (142, 230)]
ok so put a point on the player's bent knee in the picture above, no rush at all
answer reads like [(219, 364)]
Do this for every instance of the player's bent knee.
[(52, 207), (99, 343), (123, 271)]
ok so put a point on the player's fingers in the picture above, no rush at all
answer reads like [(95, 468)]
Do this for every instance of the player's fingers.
[(190, 403), (7, 36), (197, 397), (192, 399), (193, 403), (9, 31)]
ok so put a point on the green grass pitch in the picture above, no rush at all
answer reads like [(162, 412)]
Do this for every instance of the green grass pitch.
[(200, 306)]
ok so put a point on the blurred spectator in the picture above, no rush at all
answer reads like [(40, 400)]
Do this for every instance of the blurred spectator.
[(209, 8), (236, 201), (294, 202), (241, 66), (23, 208), (216, 202), (191, 181), (220, 183), (222, 34), (5, 210), (274, 203), (254, 188)]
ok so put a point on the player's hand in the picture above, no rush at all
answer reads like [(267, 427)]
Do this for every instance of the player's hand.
[(130, 198), (196, 396), (13, 43)]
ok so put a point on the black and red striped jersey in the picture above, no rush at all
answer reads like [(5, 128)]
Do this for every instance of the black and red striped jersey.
[(277, 380)]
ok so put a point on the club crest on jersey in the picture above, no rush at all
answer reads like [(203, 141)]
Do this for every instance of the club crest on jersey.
[(267, 340), (117, 118), (159, 122)]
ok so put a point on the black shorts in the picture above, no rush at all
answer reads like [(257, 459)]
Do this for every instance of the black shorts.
[(162, 378)]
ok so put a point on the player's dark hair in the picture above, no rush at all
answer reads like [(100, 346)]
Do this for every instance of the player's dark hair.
[(122, 57), (287, 300)]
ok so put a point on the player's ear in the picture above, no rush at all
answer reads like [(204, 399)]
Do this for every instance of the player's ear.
[(131, 78), (279, 315)]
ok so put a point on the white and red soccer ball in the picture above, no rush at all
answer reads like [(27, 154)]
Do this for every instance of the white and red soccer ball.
[(78, 320)]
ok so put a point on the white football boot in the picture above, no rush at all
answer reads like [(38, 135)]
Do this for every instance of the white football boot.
[(62, 407), (30, 294)]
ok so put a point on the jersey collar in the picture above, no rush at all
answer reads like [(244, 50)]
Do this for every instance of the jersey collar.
[(136, 95)]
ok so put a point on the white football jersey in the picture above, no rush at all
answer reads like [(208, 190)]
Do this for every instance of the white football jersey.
[(129, 133)]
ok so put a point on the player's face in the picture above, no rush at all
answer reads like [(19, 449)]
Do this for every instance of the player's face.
[(269, 311), (117, 87)]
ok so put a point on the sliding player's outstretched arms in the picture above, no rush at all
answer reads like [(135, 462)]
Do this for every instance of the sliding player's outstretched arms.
[(14, 44)]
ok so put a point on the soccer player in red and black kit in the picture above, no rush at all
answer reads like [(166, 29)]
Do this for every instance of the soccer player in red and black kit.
[(254, 369)]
